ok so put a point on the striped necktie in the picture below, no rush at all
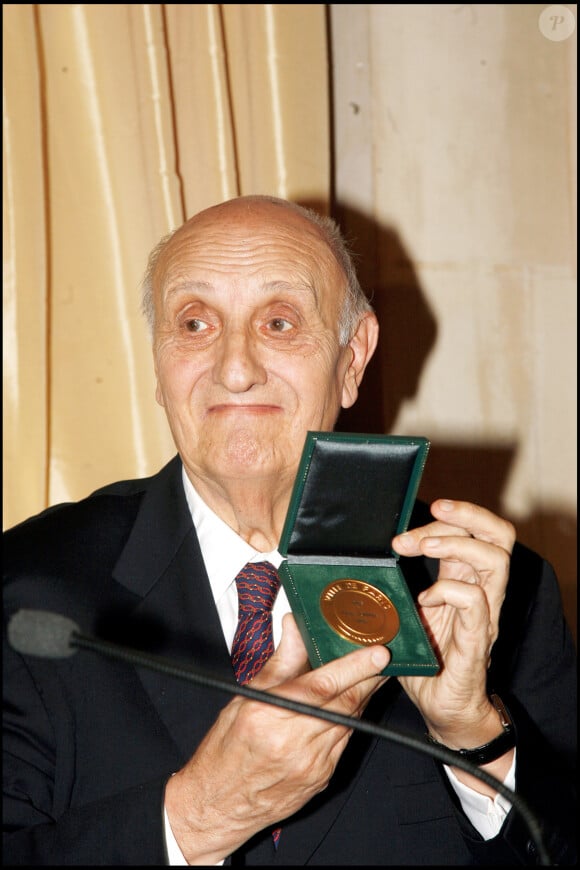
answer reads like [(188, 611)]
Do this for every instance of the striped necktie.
[(258, 584)]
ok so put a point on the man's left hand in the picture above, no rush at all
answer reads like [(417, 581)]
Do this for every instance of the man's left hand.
[(460, 612)]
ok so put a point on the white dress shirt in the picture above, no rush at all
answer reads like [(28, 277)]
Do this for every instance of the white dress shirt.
[(225, 553)]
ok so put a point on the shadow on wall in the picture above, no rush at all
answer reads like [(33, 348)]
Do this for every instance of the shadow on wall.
[(479, 473), (474, 472)]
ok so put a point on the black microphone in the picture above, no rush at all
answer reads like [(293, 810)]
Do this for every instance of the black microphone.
[(51, 635)]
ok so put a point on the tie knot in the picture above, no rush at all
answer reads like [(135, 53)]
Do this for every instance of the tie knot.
[(258, 584)]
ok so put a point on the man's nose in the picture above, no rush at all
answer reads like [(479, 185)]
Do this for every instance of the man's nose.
[(238, 365)]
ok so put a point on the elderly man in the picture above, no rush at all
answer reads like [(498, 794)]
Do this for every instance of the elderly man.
[(261, 333)]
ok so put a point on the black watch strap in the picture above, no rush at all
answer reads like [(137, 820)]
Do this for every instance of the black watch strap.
[(496, 747)]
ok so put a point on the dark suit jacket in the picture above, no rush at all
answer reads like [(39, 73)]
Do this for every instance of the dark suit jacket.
[(89, 742)]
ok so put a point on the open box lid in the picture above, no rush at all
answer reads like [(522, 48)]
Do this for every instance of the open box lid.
[(352, 494)]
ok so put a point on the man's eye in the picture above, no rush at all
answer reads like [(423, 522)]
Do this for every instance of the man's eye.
[(279, 324), (195, 325)]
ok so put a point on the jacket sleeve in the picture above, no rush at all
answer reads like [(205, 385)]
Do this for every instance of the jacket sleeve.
[(42, 825), (534, 670)]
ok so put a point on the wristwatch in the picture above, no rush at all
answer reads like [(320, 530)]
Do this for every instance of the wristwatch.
[(496, 747)]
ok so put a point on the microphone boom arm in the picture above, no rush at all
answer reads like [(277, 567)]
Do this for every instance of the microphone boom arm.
[(440, 753)]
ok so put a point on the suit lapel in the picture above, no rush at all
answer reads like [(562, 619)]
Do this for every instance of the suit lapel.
[(175, 615)]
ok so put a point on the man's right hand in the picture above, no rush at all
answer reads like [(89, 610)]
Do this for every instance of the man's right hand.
[(259, 763)]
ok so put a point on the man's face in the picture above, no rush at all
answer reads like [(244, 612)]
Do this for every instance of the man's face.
[(246, 344)]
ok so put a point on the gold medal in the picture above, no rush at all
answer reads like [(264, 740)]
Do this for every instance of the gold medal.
[(359, 612)]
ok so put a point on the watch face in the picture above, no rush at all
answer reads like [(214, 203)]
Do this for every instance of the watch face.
[(499, 705)]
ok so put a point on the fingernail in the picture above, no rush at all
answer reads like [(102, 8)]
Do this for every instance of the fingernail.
[(431, 543), (380, 658), (446, 504)]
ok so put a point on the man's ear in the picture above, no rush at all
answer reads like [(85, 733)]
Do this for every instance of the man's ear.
[(158, 390), (159, 395), (362, 346)]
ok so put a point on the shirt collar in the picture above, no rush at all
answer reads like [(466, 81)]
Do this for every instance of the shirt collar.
[(224, 552)]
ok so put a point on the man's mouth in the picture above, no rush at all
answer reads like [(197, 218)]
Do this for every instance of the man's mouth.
[(241, 408)]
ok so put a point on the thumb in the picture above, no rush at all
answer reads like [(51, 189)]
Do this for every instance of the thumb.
[(288, 661)]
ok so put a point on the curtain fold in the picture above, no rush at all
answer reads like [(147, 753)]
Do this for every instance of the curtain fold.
[(25, 320), (119, 122)]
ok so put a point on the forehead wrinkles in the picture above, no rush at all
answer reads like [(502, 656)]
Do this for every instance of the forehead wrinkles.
[(227, 252)]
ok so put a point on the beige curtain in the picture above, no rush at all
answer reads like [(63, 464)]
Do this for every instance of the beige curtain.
[(120, 121)]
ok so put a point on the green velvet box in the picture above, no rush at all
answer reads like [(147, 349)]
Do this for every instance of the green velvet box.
[(353, 493)]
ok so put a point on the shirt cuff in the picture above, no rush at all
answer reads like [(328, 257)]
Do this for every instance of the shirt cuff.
[(174, 853), (487, 815)]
